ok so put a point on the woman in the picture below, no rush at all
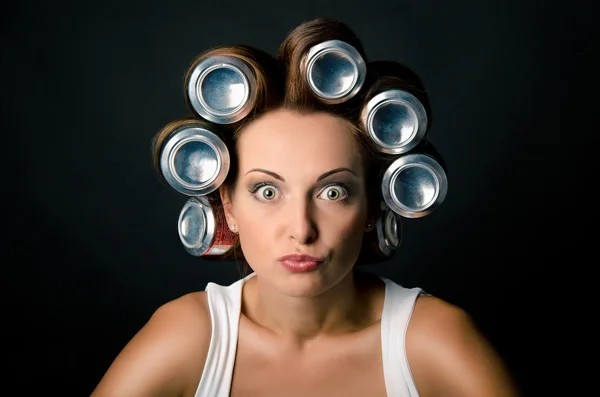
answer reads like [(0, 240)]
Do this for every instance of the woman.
[(303, 176)]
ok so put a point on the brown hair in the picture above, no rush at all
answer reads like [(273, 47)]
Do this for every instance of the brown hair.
[(281, 83)]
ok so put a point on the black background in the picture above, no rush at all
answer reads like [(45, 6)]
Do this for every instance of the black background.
[(91, 232)]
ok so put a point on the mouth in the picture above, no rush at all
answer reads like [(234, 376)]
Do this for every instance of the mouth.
[(300, 263)]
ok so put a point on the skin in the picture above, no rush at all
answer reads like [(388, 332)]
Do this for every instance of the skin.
[(302, 219), (315, 333)]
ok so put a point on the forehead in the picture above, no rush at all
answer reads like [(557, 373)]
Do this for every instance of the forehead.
[(282, 138)]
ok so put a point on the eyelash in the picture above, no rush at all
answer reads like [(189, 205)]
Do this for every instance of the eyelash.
[(257, 186)]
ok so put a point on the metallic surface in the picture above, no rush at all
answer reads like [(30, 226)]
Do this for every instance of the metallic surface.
[(396, 121), (335, 71), (194, 161), (222, 89), (196, 225), (414, 185), (389, 231)]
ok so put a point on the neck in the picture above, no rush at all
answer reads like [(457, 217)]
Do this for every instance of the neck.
[(341, 308)]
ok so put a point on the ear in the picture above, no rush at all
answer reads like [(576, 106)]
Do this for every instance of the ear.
[(374, 207), (370, 225), (226, 196)]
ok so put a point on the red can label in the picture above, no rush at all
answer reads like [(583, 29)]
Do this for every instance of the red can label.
[(224, 239)]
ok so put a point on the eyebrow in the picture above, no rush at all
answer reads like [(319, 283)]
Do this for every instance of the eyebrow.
[(323, 176)]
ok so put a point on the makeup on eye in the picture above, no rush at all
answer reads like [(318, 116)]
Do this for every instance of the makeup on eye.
[(335, 191), (258, 188), (342, 189)]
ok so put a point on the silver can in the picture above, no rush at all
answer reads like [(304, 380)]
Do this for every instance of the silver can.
[(203, 229), (396, 121), (194, 161), (222, 89), (389, 231), (335, 71), (414, 185)]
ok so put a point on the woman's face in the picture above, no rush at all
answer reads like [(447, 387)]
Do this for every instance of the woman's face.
[(300, 191)]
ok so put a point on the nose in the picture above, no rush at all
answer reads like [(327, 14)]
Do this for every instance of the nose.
[(302, 227)]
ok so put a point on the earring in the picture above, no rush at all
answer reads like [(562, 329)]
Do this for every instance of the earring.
[(232, 227), (368, 228)]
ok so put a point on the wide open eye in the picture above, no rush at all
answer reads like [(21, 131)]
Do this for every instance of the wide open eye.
[(264, 191), (334, 192), (268, 192)]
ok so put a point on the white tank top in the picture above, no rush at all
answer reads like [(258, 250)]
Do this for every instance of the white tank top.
[(225, 307)]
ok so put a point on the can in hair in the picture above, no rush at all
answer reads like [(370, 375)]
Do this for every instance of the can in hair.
[(335, 71), (221, 89), (396, 121), (414, 185), (389, 231), (194, 161), (203, 229)]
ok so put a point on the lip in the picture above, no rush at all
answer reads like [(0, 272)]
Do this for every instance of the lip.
[(300, 257), (300, 263)]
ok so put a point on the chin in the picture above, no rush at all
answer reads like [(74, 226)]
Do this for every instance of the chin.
[(308, 284)]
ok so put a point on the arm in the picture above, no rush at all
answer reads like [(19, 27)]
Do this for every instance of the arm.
[(448, 355), (166, 357)]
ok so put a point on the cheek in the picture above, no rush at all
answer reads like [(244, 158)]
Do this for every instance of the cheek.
[(354, 243), (354, 227), (251, 227), (253, 239), (344, 226)]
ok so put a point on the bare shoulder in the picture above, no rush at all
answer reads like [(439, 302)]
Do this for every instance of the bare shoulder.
[(449, 356), (166, 357)]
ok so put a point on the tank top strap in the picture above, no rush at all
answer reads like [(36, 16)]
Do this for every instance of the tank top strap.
[(224, 303), (398, 307)]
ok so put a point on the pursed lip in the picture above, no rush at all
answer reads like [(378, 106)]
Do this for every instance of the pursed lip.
[(300, 258)]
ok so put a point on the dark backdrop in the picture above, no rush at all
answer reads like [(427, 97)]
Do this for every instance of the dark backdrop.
[(91, 233)]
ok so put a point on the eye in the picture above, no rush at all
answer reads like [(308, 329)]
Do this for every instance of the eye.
[(334, 192), (264, 192)]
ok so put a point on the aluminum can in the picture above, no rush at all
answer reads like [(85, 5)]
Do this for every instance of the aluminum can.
[(335, 71), (222, 89), (396, 121), (194, 161), (414, 185), (389, 231), (203, 228), (385, 238)]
